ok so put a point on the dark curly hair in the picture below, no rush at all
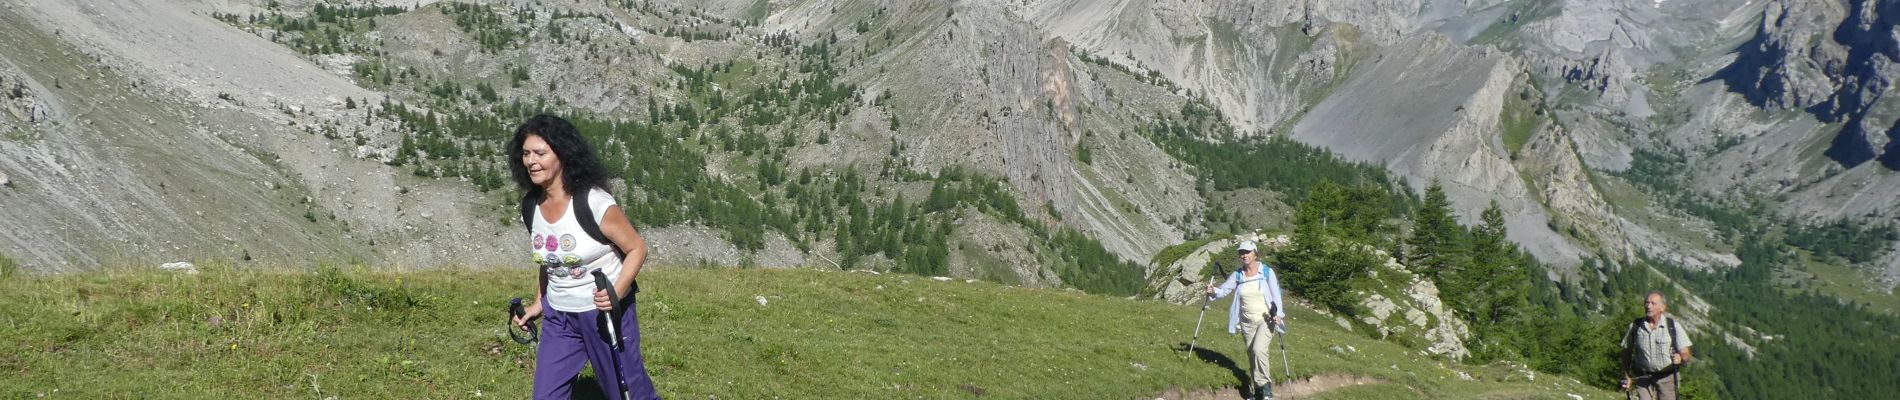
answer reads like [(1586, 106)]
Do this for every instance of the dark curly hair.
[(580, 170)]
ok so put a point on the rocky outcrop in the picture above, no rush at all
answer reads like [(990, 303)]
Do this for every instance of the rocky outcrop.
[(22, 106), (1181, 282), (1889, 269), (1836, 63), (1401, 303), (1606, 73), (1562, 182), (1781, 67)]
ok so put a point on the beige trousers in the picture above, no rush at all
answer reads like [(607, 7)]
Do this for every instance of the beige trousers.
[(1259, 336)]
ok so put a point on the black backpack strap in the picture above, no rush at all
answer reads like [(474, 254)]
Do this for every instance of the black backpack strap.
[(528, 201), (584, 214), (1629, 345), (1673, 346), (1630, 340)]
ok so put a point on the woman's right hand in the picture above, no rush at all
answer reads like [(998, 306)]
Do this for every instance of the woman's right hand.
[(529, 314)]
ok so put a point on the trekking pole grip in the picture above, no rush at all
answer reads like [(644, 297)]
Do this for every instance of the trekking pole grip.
[(613, 298), (515, 310), (1219, 272)]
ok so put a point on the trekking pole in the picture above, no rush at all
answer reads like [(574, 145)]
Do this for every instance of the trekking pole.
[(613, 327), (515, 310), (1205, 299), (1284, 364)]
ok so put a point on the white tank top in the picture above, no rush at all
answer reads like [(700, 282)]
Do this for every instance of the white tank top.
[(569, 256), (1253, 300)]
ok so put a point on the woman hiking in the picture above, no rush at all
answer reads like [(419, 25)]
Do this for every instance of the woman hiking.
[(1257, 311), (559, 176)]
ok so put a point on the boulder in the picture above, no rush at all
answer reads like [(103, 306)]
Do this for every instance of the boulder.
[(1179, 282), (180, 266)]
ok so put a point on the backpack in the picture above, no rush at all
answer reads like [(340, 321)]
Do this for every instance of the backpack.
[(583, 214)]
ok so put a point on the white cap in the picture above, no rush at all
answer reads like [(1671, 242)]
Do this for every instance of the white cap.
[(1248, 246)]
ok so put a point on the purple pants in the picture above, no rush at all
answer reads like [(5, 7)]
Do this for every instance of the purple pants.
[(567, 337)]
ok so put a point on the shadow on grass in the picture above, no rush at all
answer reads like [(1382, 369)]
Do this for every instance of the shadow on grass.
[(1216, 358)]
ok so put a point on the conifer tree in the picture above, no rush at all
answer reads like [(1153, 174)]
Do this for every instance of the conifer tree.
[(1436, 242)]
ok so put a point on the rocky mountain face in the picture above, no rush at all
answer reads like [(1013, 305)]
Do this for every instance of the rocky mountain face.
[(990, 99), (1454, 139), (1833, 60), (1781, 67), (143, 132), (213, 119), (1825, 68)]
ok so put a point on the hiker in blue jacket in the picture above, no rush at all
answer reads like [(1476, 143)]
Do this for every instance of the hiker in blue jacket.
[(1258, 309)]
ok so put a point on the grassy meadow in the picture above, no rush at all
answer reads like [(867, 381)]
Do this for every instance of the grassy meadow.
[(358, 333)]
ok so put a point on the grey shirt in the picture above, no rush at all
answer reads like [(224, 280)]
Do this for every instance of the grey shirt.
[(1652, 343)]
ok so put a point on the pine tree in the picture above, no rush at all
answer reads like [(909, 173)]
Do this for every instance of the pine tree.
[(1325, 269), (1329, 256), (1505, 280), (1436, 242), (1492, 293), (1352, 213), (939, 197)]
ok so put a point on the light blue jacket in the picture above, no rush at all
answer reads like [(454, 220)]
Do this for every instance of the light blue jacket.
[(1269, 284)]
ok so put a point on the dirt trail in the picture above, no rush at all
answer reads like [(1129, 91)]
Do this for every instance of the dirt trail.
[(1297, 389)]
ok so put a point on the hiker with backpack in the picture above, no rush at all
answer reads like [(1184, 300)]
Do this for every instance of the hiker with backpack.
[(576, 231), (1257, 311), (1654, 350)]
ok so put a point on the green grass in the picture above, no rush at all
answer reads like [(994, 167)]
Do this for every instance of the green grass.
[(740, 79), (1169, 255), (438, 334), (1633, 203), (993, 267), (1849, 284), (1519, 121), (8, 266)]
